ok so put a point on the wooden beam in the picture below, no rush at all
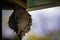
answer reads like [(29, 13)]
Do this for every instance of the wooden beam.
[(55, 3), (19, 3)]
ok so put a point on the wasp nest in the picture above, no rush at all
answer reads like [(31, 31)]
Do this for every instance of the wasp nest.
[(20, 21)]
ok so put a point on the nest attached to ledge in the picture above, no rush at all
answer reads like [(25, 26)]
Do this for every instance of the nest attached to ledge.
[(20, 21)]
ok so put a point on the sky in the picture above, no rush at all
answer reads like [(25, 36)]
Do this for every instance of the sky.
[(43, 21), (6, 31)]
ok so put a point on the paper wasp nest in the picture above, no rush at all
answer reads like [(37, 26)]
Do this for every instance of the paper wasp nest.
[(20, 21)]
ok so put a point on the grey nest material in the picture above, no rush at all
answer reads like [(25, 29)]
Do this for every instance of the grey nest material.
[(20, 21)]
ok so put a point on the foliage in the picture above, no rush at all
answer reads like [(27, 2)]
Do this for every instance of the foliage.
[(16, 38)]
